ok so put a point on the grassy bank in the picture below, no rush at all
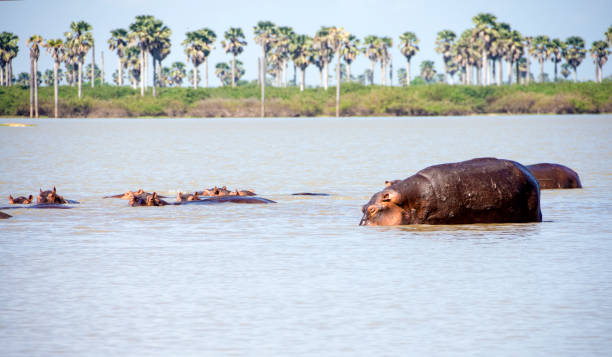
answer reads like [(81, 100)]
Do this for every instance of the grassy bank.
[(356, 100)]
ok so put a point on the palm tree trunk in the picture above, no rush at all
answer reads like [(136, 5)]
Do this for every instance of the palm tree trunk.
[(120, 73), (348, 72), (31, 88), (518, 73), (493, 71), (9, 78), (575, 75), (320, 77), (500, 78), (285, 65), (93, 65), (233, 70), (263, 81), (372, 64), (556, 71), (303, 84), (206, 69), (154, 77), (146, 71), (325, 74), (528, 68), (36, 87), (80, 79), (408, 79), (55, 67), (258, 70), (294, 74), (338, 84), (509, 71), (2, 75), (542, 69), (142, 80)]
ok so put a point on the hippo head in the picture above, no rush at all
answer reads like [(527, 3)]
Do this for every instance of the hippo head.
[(383, 209), (49, 197)]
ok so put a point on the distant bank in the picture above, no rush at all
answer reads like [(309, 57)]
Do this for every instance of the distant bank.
[(356, 100)]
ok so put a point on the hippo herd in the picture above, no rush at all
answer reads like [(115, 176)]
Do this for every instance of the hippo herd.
[(482, 190)]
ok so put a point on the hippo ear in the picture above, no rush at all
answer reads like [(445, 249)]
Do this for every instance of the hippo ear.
[(30, 197), (154, 195), (391, 196), (224, 187), (11, 197), (54, 189), (40, 190), (387, 183)]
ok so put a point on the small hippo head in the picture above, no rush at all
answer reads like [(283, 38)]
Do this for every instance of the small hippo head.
[(154, 200), (21, 199), (383, 209), (49, 196)]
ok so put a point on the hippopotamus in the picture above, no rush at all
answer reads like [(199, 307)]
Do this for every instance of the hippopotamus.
[(20, 200), (551, 176), (232, 199), (126, 195), (309, 194), (483, 190), (243, 193), (215, 191), (145, 199), (4, 215), (50, 196), (187, 197)]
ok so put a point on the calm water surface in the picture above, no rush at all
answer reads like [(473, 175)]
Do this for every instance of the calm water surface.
[(298, 277)]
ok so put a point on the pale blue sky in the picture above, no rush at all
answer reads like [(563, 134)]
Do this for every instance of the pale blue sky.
[(588, 19)]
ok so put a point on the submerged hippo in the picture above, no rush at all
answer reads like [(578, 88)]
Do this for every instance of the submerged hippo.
[(146, 199), (551, 176), (243, 193), (50, 196), (226, 199), (484, 190), (20, 200), (4, 215), (128, 194), (187, 197)]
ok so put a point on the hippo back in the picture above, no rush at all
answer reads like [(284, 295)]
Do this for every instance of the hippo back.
[(483, 190), (552, 176)]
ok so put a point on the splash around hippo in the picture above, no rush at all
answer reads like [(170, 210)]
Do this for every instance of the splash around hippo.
[(483, 190)]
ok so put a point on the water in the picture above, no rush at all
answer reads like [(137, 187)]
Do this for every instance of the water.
[(298, 277)]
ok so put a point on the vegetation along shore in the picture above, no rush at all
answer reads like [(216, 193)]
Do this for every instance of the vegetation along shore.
[(357, 100), (473, 80)]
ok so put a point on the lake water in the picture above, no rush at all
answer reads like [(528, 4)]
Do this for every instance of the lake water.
[(299, 277)]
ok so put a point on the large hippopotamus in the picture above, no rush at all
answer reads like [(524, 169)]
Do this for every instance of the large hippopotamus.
[(483, 190), (145, 199), (551, 176)]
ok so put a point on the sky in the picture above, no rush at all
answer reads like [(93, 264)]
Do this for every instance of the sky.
[(554, 18)]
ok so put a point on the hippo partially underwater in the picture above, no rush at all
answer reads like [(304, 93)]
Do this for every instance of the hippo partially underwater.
[(483, 190), (553, 176), (20, 200)]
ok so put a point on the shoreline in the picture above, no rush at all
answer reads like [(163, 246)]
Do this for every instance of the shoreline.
[(356, 101)]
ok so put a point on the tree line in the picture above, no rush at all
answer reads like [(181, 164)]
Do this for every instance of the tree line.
[(476, 56)]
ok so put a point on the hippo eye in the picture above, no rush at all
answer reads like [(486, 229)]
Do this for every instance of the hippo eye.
[(372, 210)]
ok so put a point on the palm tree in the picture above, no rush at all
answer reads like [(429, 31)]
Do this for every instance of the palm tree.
[(499, 49), (265, 36), (302, 55), (408, 47), (34, 42), (486, 33), (80, 40), (325, 52), (133, 60), (541, 48), (159, 47), (608, 35), (427, 70), (56, 49), (556, 52), (529, 50), (8, 50), (384, 43), (234, 43), (283, 42), (514, 53), (223, 71), (178, 72), (141, 36), (574, 53), (599, 52), (119, 42), (198, 46), (350, 51), (372, 51), (444, 45), (336, 40)]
